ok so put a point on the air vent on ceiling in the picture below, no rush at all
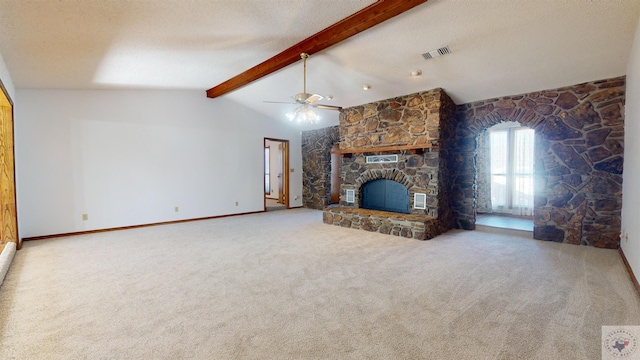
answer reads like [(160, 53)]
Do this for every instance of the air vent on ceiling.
[(436, 53)]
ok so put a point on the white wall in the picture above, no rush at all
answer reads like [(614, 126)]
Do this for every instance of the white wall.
[(631, 175), (128, 157)]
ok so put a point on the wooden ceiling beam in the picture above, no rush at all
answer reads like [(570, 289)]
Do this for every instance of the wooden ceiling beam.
[(362, 20)]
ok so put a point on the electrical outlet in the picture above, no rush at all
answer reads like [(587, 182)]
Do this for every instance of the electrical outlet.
[(625, 236), (85, 217), (176, 209)]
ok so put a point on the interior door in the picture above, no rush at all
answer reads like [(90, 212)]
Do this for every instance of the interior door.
[(279, 171), (281, 195)]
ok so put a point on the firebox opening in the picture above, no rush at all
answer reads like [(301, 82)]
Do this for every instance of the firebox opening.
[(385, 195)]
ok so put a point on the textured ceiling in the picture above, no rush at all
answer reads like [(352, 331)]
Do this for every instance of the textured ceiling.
[(499, 47)]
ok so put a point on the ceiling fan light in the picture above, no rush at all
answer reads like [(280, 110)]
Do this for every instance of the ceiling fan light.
[(303, 114)]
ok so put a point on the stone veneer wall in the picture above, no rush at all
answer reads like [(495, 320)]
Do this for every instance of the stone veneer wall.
[(316, 166), (406, 120), (448, 154), (421, 118), (579, 156)]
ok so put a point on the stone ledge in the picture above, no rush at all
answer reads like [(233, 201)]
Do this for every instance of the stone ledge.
[(420, 227)]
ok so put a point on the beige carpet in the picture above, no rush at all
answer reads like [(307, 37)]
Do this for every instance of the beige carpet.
[(282, 285)]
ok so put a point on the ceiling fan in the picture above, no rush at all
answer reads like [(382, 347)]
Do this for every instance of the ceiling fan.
[(306, 100)]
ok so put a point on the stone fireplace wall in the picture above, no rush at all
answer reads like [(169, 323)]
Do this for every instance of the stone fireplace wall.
[(406, 120), (316, 166), (579, 155), (418, 173), (448, 153), (422, 118)]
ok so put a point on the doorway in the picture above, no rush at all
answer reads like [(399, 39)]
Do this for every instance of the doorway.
[(512, 169), (506, 177), (8, 215), (276, 174)]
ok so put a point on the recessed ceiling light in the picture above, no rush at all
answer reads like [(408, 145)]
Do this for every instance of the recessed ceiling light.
[(366, 87), (416, 72), (329, 97)]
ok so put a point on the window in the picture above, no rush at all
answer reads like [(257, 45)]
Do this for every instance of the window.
[(512, 169)]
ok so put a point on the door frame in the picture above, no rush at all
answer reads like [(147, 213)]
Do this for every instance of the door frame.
[(285, 170), (9, 208)]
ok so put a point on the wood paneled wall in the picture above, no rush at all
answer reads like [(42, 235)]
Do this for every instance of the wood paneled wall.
[(8, 214)]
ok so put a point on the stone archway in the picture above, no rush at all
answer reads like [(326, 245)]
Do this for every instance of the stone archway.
[(388, 174), (579, 148)]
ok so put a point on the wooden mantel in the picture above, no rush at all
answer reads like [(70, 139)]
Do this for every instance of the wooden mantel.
[(414, 149)]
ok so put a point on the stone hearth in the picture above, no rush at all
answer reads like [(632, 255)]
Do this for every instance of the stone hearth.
[(420, 227)]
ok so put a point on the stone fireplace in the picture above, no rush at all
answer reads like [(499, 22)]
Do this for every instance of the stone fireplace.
[(380, 196), (578, 168)]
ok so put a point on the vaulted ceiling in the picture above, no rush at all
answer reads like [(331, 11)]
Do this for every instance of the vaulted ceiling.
[(498, 47)]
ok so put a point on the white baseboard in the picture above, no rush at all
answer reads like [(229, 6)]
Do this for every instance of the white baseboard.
[(6, 258)]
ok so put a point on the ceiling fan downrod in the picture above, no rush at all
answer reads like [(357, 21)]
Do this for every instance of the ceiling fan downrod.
[(304, 57)]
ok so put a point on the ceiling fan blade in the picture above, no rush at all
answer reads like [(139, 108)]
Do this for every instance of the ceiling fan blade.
[(327, 107), (313, 98), (304, 98), (278, 102)]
